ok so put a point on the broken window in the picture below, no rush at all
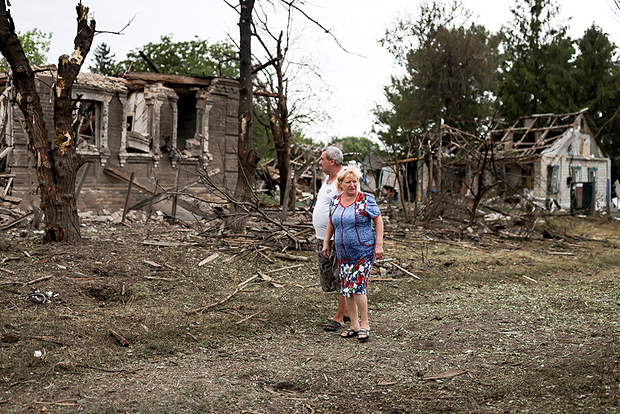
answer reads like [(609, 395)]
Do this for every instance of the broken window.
[(87, 117), (575, 173), (186, 128), (553, 184)]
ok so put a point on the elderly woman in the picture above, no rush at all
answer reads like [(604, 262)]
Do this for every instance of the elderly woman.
[(351, 217)]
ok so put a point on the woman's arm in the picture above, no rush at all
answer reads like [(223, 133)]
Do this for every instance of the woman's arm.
[(379, 237), (328, 236)]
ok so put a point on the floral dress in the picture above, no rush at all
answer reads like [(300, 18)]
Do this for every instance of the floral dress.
[(355, 241)]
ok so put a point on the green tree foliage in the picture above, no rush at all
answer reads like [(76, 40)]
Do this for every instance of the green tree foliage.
[(537, 67), (36, 45), (597, 72), (451, 73), (104, 61), (357, 147), (194, 57)]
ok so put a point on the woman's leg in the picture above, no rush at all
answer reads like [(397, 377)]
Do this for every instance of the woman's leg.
[(361, 303), (352, 311)]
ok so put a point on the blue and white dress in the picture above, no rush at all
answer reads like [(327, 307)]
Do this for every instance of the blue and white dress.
[(355, 240)]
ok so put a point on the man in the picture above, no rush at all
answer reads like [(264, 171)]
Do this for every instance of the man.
[(331, 164)]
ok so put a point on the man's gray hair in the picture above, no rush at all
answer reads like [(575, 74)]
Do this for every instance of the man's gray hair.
[(334, 153)]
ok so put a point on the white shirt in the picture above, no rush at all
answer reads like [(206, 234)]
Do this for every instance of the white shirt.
[(320, 214)]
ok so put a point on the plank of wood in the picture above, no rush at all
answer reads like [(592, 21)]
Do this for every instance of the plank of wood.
[(122, 175), (166, 244), (208, 259), (292, 257), (451, 373)]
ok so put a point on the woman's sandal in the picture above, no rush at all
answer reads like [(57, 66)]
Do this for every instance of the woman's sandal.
[(363, 335), (349, 333)]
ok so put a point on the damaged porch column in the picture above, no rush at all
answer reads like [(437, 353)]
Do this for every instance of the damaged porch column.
[(104, 150), (203, 108)]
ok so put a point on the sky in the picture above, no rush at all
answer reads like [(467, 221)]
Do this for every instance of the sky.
[(353, 74)]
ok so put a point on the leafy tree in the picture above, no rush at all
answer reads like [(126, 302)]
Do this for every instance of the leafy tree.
[(597, 72), (300, 138), (358, 147), (196, 57), (104, 61), (537, 68), (451, 72), (36, 45)]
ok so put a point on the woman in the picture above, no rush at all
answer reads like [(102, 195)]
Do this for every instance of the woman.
[(351, 216)]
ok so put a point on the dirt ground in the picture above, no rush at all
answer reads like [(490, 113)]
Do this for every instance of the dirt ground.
[(494, 323)]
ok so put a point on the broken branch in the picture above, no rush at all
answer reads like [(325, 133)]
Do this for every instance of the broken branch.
[(404, 270), (121, 340), (239, 288)]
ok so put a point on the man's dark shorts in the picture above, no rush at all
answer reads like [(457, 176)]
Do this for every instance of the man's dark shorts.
[(329, 274)]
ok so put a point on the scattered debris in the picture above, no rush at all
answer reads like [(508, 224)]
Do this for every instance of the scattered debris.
[(451, 373), (530, 279), (121, 340), (208, 259), (10, 338), (39, 297), (40, 354)]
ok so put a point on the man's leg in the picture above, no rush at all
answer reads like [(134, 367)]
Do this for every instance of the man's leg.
[(328, 276), (342, 310)]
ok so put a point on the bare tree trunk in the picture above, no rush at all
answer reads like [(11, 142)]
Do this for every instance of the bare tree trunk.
[(480, 189), (429, 189), (247, 156), (279, 123), (56, 166), (401, 184)]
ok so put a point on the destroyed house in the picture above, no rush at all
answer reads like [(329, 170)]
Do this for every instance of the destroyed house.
[(553, 160), (160, 128), (557, 159)]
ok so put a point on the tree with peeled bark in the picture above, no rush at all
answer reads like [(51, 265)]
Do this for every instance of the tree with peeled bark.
[(56, 158), (247, 156)]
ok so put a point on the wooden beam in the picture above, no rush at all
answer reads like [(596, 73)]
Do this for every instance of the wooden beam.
[(167, 79)]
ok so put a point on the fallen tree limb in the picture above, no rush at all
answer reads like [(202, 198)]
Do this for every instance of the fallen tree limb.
[(37, 280), (121, 340), (283, 268), (239, 288), (105, 369), (166, 279), (16, 221), (404, 270), (245, 319)]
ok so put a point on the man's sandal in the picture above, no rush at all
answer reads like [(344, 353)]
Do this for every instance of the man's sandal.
[(349, 333), (363, 335)]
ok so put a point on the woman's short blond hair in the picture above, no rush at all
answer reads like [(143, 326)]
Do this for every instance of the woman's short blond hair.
[(349, 171)]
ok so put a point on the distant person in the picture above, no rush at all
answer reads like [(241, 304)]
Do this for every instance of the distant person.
[(351, 217), (331, 164)]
